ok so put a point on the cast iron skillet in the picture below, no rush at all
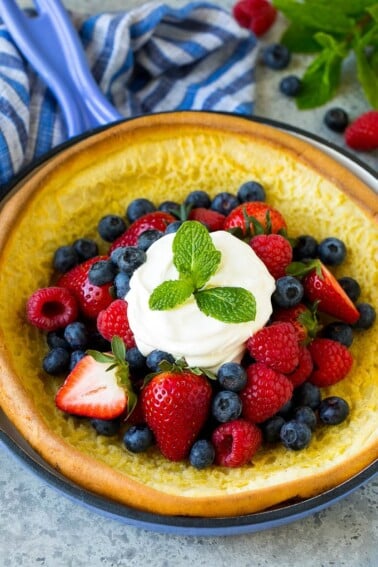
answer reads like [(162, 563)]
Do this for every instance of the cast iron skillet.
[(15, 444)]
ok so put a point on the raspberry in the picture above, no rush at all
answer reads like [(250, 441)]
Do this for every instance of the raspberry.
[(235, 442), (362, 134), (275, 251), (113, 321), (276, 346), (257, 15), (51, 308), (304, 368), (332, 362), (266, 392)]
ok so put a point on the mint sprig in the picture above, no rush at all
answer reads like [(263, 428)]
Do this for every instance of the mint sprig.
[(333, 30), (196, 260)]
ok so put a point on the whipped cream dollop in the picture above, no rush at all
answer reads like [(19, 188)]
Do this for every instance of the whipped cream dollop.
[(185, 331)]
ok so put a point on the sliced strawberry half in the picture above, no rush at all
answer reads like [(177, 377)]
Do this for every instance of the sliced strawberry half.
[(98, 386), (321, 286), (212, 219)]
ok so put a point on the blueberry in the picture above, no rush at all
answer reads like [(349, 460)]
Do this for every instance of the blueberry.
[(202, 454), (173, 227), (286, 410), (65, 258), (251, 191), (226, 406), (332, 251), (106, 427), (121, 285), (86, 248), (170, 207), (351, 287), (340, 332), (367, 316), (138, 208), (156, 357), (76, 334), (76, 356), (102, 272), (288, 292), (295, 435), (306, 415), (224, 203), (276, 56), (333, 410), (111, 227), (56, 361), (148, 237), (97, 342), (307, 394), (56, 339), (117, 253), (135, 359), (305, 247), (271, 428), (232, 376), (198, 199), (138, 438), (130, 259), (290, 85), (336, 119)]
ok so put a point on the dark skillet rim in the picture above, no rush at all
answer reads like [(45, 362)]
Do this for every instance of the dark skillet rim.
[(16, 445)]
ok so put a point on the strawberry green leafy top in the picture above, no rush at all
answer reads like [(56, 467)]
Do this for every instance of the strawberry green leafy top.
[(196, 260)]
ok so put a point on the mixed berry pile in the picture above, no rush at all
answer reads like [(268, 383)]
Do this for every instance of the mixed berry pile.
[(273, 396)]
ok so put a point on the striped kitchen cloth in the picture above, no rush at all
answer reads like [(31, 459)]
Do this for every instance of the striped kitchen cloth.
[(153, 58)]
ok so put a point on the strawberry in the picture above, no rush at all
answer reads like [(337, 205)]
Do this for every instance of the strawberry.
[(303, 318), (235, 442), (255, 217), (176, 403), (257, 15), (275, 251), (277, 346), (321, 286), (157, 220), (212, 219), (305, 366), (91, 298), (265, 393), (332, 362), (98, 386), (113, 321), (51, 308), (362, 134)]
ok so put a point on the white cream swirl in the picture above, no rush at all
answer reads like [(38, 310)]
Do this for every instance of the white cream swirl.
[(185, 331)]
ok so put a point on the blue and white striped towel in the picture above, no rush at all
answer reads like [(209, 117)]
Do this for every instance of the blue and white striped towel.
[(154, 58)]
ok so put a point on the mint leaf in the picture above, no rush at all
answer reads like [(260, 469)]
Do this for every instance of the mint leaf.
[(194, 254), (227, 304), (316, 15), (322, 77), (170, 293), (367, 75), (299, 39)]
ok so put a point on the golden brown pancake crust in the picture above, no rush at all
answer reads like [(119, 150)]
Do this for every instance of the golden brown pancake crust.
[(160, 157)]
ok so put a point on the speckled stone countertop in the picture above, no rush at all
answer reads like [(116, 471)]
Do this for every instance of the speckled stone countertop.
[(42, 527)]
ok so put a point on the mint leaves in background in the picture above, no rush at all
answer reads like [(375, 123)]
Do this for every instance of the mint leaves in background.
[(332, 30), (196, 260)]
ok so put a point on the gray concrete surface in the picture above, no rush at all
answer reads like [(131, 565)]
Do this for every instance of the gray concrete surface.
[(41, 527)]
